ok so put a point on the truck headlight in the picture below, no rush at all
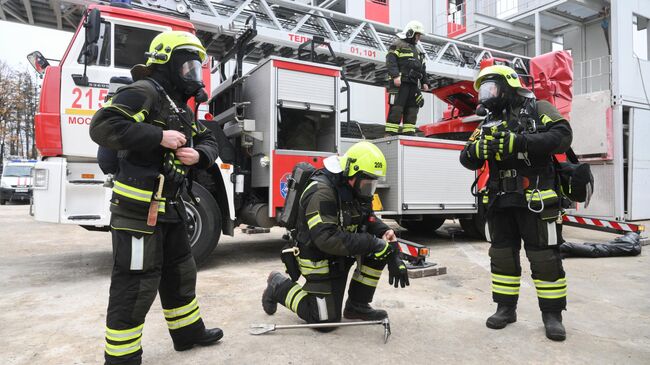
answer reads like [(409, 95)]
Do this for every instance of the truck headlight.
[(40, 178), (5, 185)]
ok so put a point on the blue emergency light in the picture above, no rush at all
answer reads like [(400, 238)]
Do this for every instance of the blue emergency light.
[(121, 3)]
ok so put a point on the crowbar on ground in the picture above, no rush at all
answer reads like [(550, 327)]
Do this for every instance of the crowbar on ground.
[(260, 329)]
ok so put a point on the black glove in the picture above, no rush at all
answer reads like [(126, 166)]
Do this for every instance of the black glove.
[(173, 169), (505, 145), (419, 99), (479, 150), (397, 273)]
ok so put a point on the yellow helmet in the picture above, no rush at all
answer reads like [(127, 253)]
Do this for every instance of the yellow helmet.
[(165, 43), (364, 157), (500, 71)]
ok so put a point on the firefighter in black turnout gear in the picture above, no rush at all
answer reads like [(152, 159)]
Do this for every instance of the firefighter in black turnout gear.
[(336, 227), (518, 140), (407, 73), (157, 147)]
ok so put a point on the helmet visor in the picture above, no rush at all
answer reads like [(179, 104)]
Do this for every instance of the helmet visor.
[(366, 187), (191, 71), (488, 90)]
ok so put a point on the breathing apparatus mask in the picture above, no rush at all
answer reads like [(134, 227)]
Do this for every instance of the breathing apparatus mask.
[(186, 72), (365, 186), (494, 95)]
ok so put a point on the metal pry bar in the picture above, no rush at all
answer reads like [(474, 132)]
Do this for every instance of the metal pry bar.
[(259, 329)]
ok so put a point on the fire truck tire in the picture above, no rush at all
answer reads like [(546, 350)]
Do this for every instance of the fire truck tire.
[(475, 227), (204, 223), (3, 201), (428, 224)]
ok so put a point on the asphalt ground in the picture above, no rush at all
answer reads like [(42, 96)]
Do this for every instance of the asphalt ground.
[(54, 282)]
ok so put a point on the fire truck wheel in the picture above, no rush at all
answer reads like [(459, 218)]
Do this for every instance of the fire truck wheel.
[(428, 224), (204, 223), (475, 227), (3, 202)]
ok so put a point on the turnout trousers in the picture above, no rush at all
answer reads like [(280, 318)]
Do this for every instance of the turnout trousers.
[(507, 228), (403, 107), (321, 298), (143, 265)]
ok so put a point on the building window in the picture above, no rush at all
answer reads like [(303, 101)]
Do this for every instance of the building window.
[(640, 44), (506, 8)]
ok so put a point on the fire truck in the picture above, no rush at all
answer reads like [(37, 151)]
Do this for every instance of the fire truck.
[(305, 64)]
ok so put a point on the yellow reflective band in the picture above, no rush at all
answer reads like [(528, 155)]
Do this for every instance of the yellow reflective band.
[(122, 350), (506, 279), (313, 221), (408, 128), (552, 294), (408, 54), (512, 143), (546, 119), (308, 267), (542, 195), (161, 207), (296, 301), (365, 280), (370, 271), (307, 188), (123, 335), (131, 192), (176, 312), (292, 292), (561, 281), (505, 290), (383, 251), (486, 199), (186, 321), (139, 117)]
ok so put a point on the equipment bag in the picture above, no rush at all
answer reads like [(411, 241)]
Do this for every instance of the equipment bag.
[(296, 184), (576, 179)]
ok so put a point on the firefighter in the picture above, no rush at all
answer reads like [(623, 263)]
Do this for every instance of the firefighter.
[(335, 228), (518, 139), (407, 73), (157, 145)]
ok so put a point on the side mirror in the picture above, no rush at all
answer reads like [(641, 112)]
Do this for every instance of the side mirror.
[(38, 61), (93, 23)]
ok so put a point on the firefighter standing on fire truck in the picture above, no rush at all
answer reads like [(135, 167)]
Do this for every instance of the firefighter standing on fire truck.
[(518, 140), (335, 225), (150, 244), (407, 73)]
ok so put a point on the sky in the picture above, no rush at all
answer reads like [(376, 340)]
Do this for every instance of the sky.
[(18, 40)]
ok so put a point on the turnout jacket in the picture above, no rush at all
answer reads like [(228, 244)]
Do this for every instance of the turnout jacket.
[(534, 164), (404, 59), (132, 122), (332, 222)]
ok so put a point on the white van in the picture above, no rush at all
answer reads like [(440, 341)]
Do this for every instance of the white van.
[(16, 181)]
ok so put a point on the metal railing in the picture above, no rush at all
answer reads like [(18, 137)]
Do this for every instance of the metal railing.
[(592, 75)]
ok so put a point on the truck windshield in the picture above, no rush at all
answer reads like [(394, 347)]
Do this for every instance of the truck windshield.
[(19, 171)]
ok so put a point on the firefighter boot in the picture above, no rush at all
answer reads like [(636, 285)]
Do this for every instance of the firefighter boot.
[(553, 325), (505, 314), (207, 338), (362, 311), (269, 297)]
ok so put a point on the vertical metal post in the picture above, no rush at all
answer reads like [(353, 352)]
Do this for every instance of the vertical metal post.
[(480, 39), (621, 20), (538, 35)]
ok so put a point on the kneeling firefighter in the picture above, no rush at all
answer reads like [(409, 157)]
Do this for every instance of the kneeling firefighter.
[(518, 139), (158, 140), (335, 228)]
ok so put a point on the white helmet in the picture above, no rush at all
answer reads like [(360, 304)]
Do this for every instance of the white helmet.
[(411, 29)]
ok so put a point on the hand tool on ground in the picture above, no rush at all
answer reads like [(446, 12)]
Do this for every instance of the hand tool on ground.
[(260, 329)]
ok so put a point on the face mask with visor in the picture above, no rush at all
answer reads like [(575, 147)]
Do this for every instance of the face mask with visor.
[(365, 185)]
